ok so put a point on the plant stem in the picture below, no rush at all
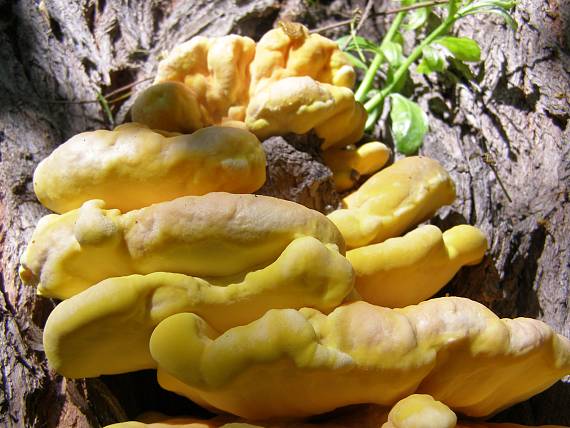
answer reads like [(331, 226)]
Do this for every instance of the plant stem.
[(381, 13), (372, 118), (105, 105), (368, 79), (379, 98)]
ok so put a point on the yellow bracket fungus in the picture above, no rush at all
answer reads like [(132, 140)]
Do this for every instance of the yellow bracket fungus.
[(283, 53), (289, 82), (405, 271), (170, 106), (414, 411), (216, 70), (133, 167), (106, 329), (299, 104), (356, 417), (348, 165), (393, 201), (420, 411), (452, 348), (215, 235)]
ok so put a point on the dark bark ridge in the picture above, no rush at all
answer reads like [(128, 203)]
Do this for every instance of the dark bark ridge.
[(510, 127)]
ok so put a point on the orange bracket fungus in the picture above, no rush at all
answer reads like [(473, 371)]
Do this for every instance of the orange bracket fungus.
[(394, 200), (290, 81), (453, 349), (349, 164), (133, 167), (406, 270), (247, 304), (215, 235), (106, 329)]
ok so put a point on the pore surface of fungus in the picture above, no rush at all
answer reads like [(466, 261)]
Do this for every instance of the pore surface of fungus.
[(406, 270), (393, 201), (452, 348), (133, 167), (215, 235)]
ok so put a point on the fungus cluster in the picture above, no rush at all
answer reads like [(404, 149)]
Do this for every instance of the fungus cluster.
[(250, 305)]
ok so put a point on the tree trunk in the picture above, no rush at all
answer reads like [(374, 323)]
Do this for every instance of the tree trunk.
[(504, 139)]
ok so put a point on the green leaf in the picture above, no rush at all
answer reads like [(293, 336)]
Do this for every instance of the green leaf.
[(433, 60), (401, 83), (409, 124), (499, 7), (355, 61), (424, 68), (398, 38), (462, 48), (349, 43), (416, 18), (372, 118), (460, 69), (393, 53)]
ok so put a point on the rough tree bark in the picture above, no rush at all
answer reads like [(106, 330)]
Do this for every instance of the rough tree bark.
[(510, 127)]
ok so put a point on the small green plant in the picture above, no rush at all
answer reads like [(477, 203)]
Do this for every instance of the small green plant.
[(387, 64)]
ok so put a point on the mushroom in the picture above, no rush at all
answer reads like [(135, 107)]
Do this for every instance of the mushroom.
[(453, 349), (290, 81), (170, 106), (356, 417), (215, 70), (420, 411), (414, 411), (133, 167), (290, 51), (406, 270), (215, 235), (106, 329), (349, 164), (393, 200), (300, 104)]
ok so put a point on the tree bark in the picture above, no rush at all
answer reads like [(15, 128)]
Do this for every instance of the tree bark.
[(504, 139)]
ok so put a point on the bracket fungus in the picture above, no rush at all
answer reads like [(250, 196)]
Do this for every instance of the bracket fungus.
[(406, 270), (349, 164), (133, 167), (290, 51), (246, 304), (414, 411), (106, 329), (452, 348), (215, 70), (356, 417), (393, 201), (170, 106), (215, 235), (300, 104), (420, 411), (290, 81)]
